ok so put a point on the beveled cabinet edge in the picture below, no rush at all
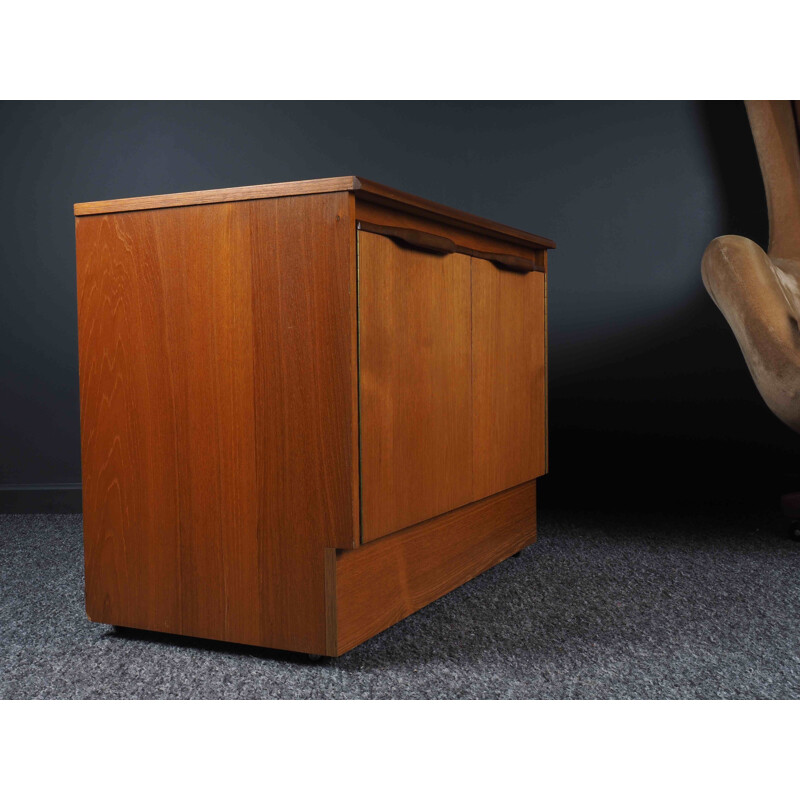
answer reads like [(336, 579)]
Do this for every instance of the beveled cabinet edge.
[(363, 189), (403, 201), (258, 192), (546, 374)]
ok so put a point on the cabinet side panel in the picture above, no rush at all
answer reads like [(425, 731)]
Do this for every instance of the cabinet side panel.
[(508, 378), (124, 502), (217, 390), (303, 302), (165, 340), (546, 371)]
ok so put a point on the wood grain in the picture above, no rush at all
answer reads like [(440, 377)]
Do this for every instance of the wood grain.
[(423, 240), (363, 189), (303, 401), (416, 415), (508, 377), (217, 361), (228, 343), (259, 192), (384, 195), (546, 373), (505, 260), (386, 580), (464, 240), (412, 237)]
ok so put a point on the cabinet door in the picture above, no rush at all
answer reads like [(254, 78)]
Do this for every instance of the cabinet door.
[(414, 383), (509, 382)]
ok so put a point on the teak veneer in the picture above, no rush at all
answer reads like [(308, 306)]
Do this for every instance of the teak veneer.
[(307, 409)]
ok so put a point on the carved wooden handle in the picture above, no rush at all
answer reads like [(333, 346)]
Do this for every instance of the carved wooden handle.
[(506, 261), (417, 239), (442, 245)]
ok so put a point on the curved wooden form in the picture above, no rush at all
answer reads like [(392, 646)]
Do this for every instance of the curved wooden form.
[(432, 243), (419, 240), (759, 292)]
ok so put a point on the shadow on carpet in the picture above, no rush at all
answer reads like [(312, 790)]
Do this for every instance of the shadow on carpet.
[(600, 607)]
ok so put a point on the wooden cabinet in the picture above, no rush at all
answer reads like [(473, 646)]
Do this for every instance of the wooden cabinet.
[(307, 409)]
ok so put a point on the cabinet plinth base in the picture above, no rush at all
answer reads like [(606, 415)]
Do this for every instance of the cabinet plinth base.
[(372, 588)]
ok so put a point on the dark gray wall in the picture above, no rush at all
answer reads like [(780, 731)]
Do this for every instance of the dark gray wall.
[(650, 399)]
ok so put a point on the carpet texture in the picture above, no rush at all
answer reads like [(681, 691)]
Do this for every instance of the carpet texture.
[(599, 607)]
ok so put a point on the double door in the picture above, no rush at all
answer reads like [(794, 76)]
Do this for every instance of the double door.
[(452, 383)]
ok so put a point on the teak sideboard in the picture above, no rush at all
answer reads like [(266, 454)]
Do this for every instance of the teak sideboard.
[(307, 409)]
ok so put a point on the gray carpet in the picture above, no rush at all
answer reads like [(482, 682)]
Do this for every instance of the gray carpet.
[(600, 607)]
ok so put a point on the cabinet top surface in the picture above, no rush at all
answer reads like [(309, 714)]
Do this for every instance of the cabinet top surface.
[(363, 189)]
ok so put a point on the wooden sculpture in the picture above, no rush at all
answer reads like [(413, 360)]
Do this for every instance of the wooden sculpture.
[(759, 292)]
